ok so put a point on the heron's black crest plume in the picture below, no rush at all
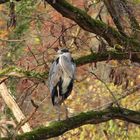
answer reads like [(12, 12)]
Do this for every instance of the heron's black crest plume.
[(64, 50)]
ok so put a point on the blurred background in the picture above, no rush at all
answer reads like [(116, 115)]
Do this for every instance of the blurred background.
[(30, 36)]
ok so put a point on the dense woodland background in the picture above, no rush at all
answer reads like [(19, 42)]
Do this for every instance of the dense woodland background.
[(104, 40)]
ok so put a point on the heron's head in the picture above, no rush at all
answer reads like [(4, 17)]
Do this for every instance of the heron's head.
[(63, 51)]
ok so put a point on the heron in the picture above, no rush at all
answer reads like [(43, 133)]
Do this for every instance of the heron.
[(61, 79)]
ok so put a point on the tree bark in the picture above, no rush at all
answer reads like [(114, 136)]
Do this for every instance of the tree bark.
[(10, 102), (111, 35), (91, 117), (116, 10), (111, 6), (94, 57)]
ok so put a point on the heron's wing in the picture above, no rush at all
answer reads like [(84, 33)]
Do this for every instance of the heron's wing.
[(54, 75), (68, 66)]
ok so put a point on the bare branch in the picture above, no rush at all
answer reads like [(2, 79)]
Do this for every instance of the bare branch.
[(111, 93), (124, 94), (10, 102), (26, 120)]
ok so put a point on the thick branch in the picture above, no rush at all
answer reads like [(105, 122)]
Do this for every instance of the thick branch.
[(10, 102), (95, 57), (110, 55), (90, 117), (114, 14), (111, 35), (134, 22), (3, 1), (19, 72)]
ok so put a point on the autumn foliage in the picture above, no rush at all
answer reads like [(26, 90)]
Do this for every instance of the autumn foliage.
[(30, 35)]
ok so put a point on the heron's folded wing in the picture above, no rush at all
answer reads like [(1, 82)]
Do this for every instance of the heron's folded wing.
[(54, 75), (68, 66)]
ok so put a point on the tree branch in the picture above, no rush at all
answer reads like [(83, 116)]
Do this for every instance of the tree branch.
[(133, 20), (125, 94), (91, 117), (114, 14), (94, 57), (10, 102), (109, 55), (4, 1), (111, 35), (20, 72)]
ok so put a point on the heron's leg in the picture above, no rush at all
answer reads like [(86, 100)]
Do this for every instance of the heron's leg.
[(54, 1), (58, 111), (66, 110), (58, 92), (59, 97)]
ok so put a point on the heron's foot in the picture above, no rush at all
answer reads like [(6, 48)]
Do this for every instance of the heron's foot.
[(58, 119), (59, 116), (67, 116)]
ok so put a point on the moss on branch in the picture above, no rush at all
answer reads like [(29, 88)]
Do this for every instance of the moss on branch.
[(110, 34), (91, 117), (110, 55), (94, 57), (20, 72)]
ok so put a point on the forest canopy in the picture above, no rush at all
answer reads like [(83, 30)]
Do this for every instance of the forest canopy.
[(103, 37)]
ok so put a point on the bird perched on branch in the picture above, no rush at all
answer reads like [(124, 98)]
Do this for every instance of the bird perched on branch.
[(61, 78)]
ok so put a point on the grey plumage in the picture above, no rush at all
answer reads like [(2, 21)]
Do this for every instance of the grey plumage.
[(61, 77)]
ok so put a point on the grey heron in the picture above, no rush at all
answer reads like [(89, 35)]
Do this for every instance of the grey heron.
[(61, 78)]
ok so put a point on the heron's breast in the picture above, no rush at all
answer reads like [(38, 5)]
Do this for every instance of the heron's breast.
[(66, 81)]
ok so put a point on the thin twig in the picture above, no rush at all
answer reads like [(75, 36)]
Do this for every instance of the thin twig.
[(3, 80), (12, 40), (33, 54), (32, 88), (22, 122), (99, 13), (62, 34), (112, 94), (124, 94)]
